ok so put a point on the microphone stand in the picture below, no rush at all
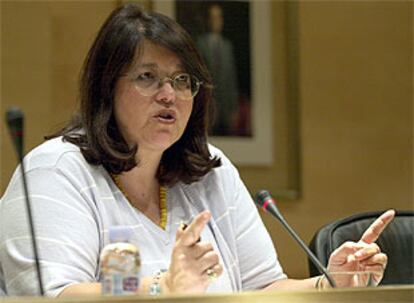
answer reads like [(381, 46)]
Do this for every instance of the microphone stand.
[(266, 202), (15, 122)]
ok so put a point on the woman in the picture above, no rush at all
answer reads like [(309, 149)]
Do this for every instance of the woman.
[(137, 155)]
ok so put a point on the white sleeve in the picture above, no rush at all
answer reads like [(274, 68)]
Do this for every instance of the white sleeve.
[(259, 265), (66, 231)]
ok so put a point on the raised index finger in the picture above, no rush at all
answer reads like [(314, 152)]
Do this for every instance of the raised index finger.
[(377, 227), (192, 233)]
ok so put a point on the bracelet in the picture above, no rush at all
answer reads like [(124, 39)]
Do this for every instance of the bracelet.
[(155, 287), (318, 285)]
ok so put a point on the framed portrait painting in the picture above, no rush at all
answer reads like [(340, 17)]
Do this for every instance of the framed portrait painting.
[(234, 40)]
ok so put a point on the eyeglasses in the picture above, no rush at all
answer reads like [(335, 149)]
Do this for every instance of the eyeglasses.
[(185, 85)]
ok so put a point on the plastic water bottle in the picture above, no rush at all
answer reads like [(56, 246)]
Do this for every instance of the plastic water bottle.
[(120, 263)]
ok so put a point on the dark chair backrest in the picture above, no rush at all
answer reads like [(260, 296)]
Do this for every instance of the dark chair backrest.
[(397, 241)]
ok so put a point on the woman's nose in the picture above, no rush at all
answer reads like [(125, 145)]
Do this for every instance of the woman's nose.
[(166, 92)]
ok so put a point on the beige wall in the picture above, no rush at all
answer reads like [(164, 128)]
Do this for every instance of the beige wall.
[(42, 49), (355, 106), (356, 116)]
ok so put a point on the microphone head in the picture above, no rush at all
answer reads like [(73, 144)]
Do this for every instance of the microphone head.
[(14, 116), (15, 121), (262, 196), (268, 204)]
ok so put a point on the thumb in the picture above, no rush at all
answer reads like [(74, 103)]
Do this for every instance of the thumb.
[(180, 231), (192, 233)]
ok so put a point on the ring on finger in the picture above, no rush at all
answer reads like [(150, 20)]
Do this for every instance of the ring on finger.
[(211, 273)]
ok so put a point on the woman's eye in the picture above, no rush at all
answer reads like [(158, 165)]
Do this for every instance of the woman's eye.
[(183, 80), (147, 76)]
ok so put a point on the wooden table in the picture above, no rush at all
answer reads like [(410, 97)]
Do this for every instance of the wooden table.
[(378, 294)]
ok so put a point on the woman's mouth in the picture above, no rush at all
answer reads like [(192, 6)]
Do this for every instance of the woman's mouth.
[(166, 116)]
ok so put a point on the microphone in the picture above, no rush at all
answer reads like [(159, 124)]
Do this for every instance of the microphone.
[(14, 117), (15, 122), (268, 204)]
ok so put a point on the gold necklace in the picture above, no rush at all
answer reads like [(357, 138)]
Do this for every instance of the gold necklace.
[(163, 199)]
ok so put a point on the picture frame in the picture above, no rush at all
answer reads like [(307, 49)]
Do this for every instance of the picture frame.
[(257, 148)]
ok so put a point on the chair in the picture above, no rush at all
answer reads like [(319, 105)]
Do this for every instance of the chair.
[(397, 241)]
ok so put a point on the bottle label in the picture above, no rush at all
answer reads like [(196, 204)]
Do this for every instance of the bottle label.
[(120, 284)]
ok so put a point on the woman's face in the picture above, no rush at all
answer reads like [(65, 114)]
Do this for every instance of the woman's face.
[(156, 121)]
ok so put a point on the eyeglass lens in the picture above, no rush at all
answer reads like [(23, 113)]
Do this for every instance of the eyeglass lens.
[(185, 85)]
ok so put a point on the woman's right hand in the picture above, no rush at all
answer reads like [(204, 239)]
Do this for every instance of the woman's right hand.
[(194, 263)]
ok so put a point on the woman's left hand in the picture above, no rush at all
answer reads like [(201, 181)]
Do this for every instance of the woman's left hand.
[(363, 255)]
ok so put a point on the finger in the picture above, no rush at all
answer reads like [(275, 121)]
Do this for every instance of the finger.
[(218, 269), (367, 252), (343, 252), (208, 260), (377, 227), (376, 270), (214, 272), (184, 226), (179, 233), (379, 260), (192, 233), (199, 249)]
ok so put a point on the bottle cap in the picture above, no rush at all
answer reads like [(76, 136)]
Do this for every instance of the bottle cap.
[(120, 233)]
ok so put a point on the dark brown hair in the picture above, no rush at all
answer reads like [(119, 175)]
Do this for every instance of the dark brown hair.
[(94, 128)]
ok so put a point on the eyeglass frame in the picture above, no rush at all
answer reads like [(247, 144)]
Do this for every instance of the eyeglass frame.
[(171, 80)]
